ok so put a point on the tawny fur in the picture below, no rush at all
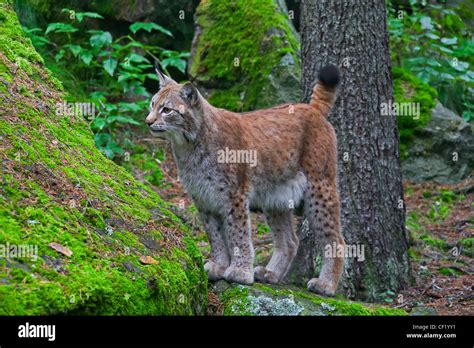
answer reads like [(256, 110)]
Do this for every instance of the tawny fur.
[(296, 162)]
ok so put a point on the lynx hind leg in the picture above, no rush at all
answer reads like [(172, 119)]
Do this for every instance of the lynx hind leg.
[(285, 246), (219, 259), (323, 213)]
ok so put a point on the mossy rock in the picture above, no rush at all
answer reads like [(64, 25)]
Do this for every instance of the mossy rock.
[(407, 88), (245, 54), (262, 300), (119, 250)]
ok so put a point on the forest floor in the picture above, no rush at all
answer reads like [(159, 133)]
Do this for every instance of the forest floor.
[(439, 221)]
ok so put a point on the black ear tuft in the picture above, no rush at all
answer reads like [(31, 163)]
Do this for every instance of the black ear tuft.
[(189, 93), (329, 76)]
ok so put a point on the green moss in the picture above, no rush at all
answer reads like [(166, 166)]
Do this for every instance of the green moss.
[(236, 301), (409, 89), (449, 271), (57, 187), (234, 36), (434, 242)]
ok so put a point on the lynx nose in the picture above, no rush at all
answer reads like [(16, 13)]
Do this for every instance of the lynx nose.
[(150, 119)]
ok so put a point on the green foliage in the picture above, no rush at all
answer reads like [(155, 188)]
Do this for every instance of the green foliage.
[(409, 89), (432, 42), (450, 271), (439, 211), (263, 229), (109, 72), (434, 242)]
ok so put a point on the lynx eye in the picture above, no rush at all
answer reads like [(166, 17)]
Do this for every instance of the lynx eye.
[(166, 110)]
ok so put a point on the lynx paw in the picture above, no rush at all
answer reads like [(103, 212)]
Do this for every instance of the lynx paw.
[(214, 270), (262, 275), (239, 275), (321, 287)]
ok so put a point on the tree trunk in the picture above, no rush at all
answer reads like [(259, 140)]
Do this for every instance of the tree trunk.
[(353, 35)]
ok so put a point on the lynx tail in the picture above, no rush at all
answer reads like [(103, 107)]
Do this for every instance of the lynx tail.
[(324, 92)]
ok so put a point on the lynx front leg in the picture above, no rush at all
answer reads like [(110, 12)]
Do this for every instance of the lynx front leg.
[(238, 230), (220, 258), (285, 245)]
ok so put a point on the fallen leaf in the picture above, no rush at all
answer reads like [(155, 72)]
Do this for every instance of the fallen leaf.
[(61, 249), (148, 260)]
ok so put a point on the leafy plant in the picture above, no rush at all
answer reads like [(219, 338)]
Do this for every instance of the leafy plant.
[(439, 211), (432, 42), (262, 229), (110, 72)]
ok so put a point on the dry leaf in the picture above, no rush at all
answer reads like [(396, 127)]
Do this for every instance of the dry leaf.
[(61, 249), (148, 260)]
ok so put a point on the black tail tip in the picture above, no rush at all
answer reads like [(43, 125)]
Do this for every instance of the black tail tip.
[(329, 76)]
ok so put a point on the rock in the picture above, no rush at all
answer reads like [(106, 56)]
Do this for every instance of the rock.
[(442, 151), (48, 161), (245, 54), (423, 310), (283, 300)]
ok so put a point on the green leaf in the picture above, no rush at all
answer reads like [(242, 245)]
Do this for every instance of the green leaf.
[(75, 49), (176, 62), (80, 15), (86, 57), (433, 62), (152, 76), (136, 58), (432, 36), (101, 39), (110, 65), (447, 76), (98, 124), (461, 66), (60, 28), (140, 90), (60, 54), (134, 107), (426, 23), (149, 26), (449, 41), (122, 119)]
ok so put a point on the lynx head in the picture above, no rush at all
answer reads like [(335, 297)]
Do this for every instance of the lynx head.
[(175, 111)]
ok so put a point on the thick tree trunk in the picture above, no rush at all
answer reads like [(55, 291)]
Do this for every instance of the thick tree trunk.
[(353, 35)]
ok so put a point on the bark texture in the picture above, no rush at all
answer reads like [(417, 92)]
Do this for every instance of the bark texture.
[(353, 35)]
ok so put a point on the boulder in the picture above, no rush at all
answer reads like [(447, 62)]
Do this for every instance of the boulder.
[(78, 234), (276, 300), (442, 151), (245, 54)]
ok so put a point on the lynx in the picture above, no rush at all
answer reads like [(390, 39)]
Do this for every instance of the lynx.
[(294, 148)]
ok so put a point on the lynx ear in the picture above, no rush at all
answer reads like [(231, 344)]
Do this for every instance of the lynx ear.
[(189, 93), (162, 77)]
